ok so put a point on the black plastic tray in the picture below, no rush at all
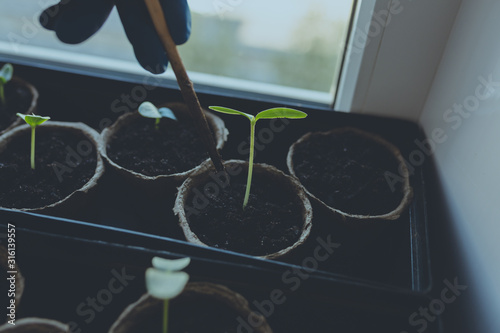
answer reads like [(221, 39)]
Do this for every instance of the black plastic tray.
[(63, 272), (392, 258)]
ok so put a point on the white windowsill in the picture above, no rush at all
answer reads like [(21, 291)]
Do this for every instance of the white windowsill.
[(91, 64)]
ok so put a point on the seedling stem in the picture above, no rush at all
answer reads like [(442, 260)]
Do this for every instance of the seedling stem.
[(250, 162), (266, 114), (165, 316), (32, 155), (33, 121)]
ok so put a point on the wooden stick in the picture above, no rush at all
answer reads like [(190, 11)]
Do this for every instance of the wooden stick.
[(185, 84)]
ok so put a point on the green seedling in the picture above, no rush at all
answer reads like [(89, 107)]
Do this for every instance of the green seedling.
[(165, 281), (266, 114), (148, 110), (33, 121), (5, 76)]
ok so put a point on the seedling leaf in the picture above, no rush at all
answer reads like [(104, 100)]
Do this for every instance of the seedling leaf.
[(165, 285), (230, 111), (170, 265), (148, 110), (6, 73), (280, 113), (167, 113), (33, 120)]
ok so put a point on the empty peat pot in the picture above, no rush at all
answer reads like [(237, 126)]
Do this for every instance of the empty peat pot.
[(12, 287), (202, 307), (276, 221), (35, 325), (67, 168), (158, 159), (20, 97), (353, 173)]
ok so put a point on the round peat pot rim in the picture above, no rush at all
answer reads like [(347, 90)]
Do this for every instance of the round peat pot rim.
[(35, 325), (404, 172), (292, 184), (74, 127), (137, 311), (19, 276), (34, 101), (180, 110)]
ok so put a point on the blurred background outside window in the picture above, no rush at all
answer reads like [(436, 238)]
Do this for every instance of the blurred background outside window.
[(292, 48)]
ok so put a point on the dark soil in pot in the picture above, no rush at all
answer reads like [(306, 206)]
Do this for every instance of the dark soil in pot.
[(201, 308), (175, 147), (139, 151), (346, 169), (20, 98), (192, 314), (272, 220), (23, 187), (154, 161), (275, 222)]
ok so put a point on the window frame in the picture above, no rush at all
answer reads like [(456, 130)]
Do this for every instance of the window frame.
[(393, 75)]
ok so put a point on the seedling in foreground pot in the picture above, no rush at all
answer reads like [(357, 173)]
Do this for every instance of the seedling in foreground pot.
[(33, 121), (148, 110), (165, 281), (5, 76), (266, 114)]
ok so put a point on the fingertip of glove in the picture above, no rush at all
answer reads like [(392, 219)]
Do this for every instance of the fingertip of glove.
[(181, 38), (178, 17), (69, 37), (157, 69), (47, 18), (154, 66), (75, 21)]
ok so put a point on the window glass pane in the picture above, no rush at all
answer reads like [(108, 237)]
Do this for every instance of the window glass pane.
[(19, 27), (293, 43), (277, 44)]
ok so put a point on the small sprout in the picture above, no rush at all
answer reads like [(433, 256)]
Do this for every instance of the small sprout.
[(171, 265), (266, 114), (33, 121), (165, 285), (5, 76), (148, 110), (165, 281)]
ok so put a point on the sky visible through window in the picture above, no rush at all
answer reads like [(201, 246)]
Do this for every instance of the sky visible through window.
[(291, 43)]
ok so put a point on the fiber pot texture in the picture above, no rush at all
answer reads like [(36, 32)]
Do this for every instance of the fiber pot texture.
[(157, 183), (311, 139), (35, 325), (19, 83), (267, 180), (134, 317), (19, 284), (85, 142)]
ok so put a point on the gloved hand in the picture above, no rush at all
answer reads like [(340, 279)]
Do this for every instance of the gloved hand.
[(74, 21)]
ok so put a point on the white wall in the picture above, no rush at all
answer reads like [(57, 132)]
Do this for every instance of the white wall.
[(468, 160), (405, 43)]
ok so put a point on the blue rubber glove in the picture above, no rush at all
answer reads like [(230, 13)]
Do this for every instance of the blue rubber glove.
[(74, 21)]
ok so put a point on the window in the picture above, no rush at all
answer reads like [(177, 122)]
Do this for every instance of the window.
[(287, 48)]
